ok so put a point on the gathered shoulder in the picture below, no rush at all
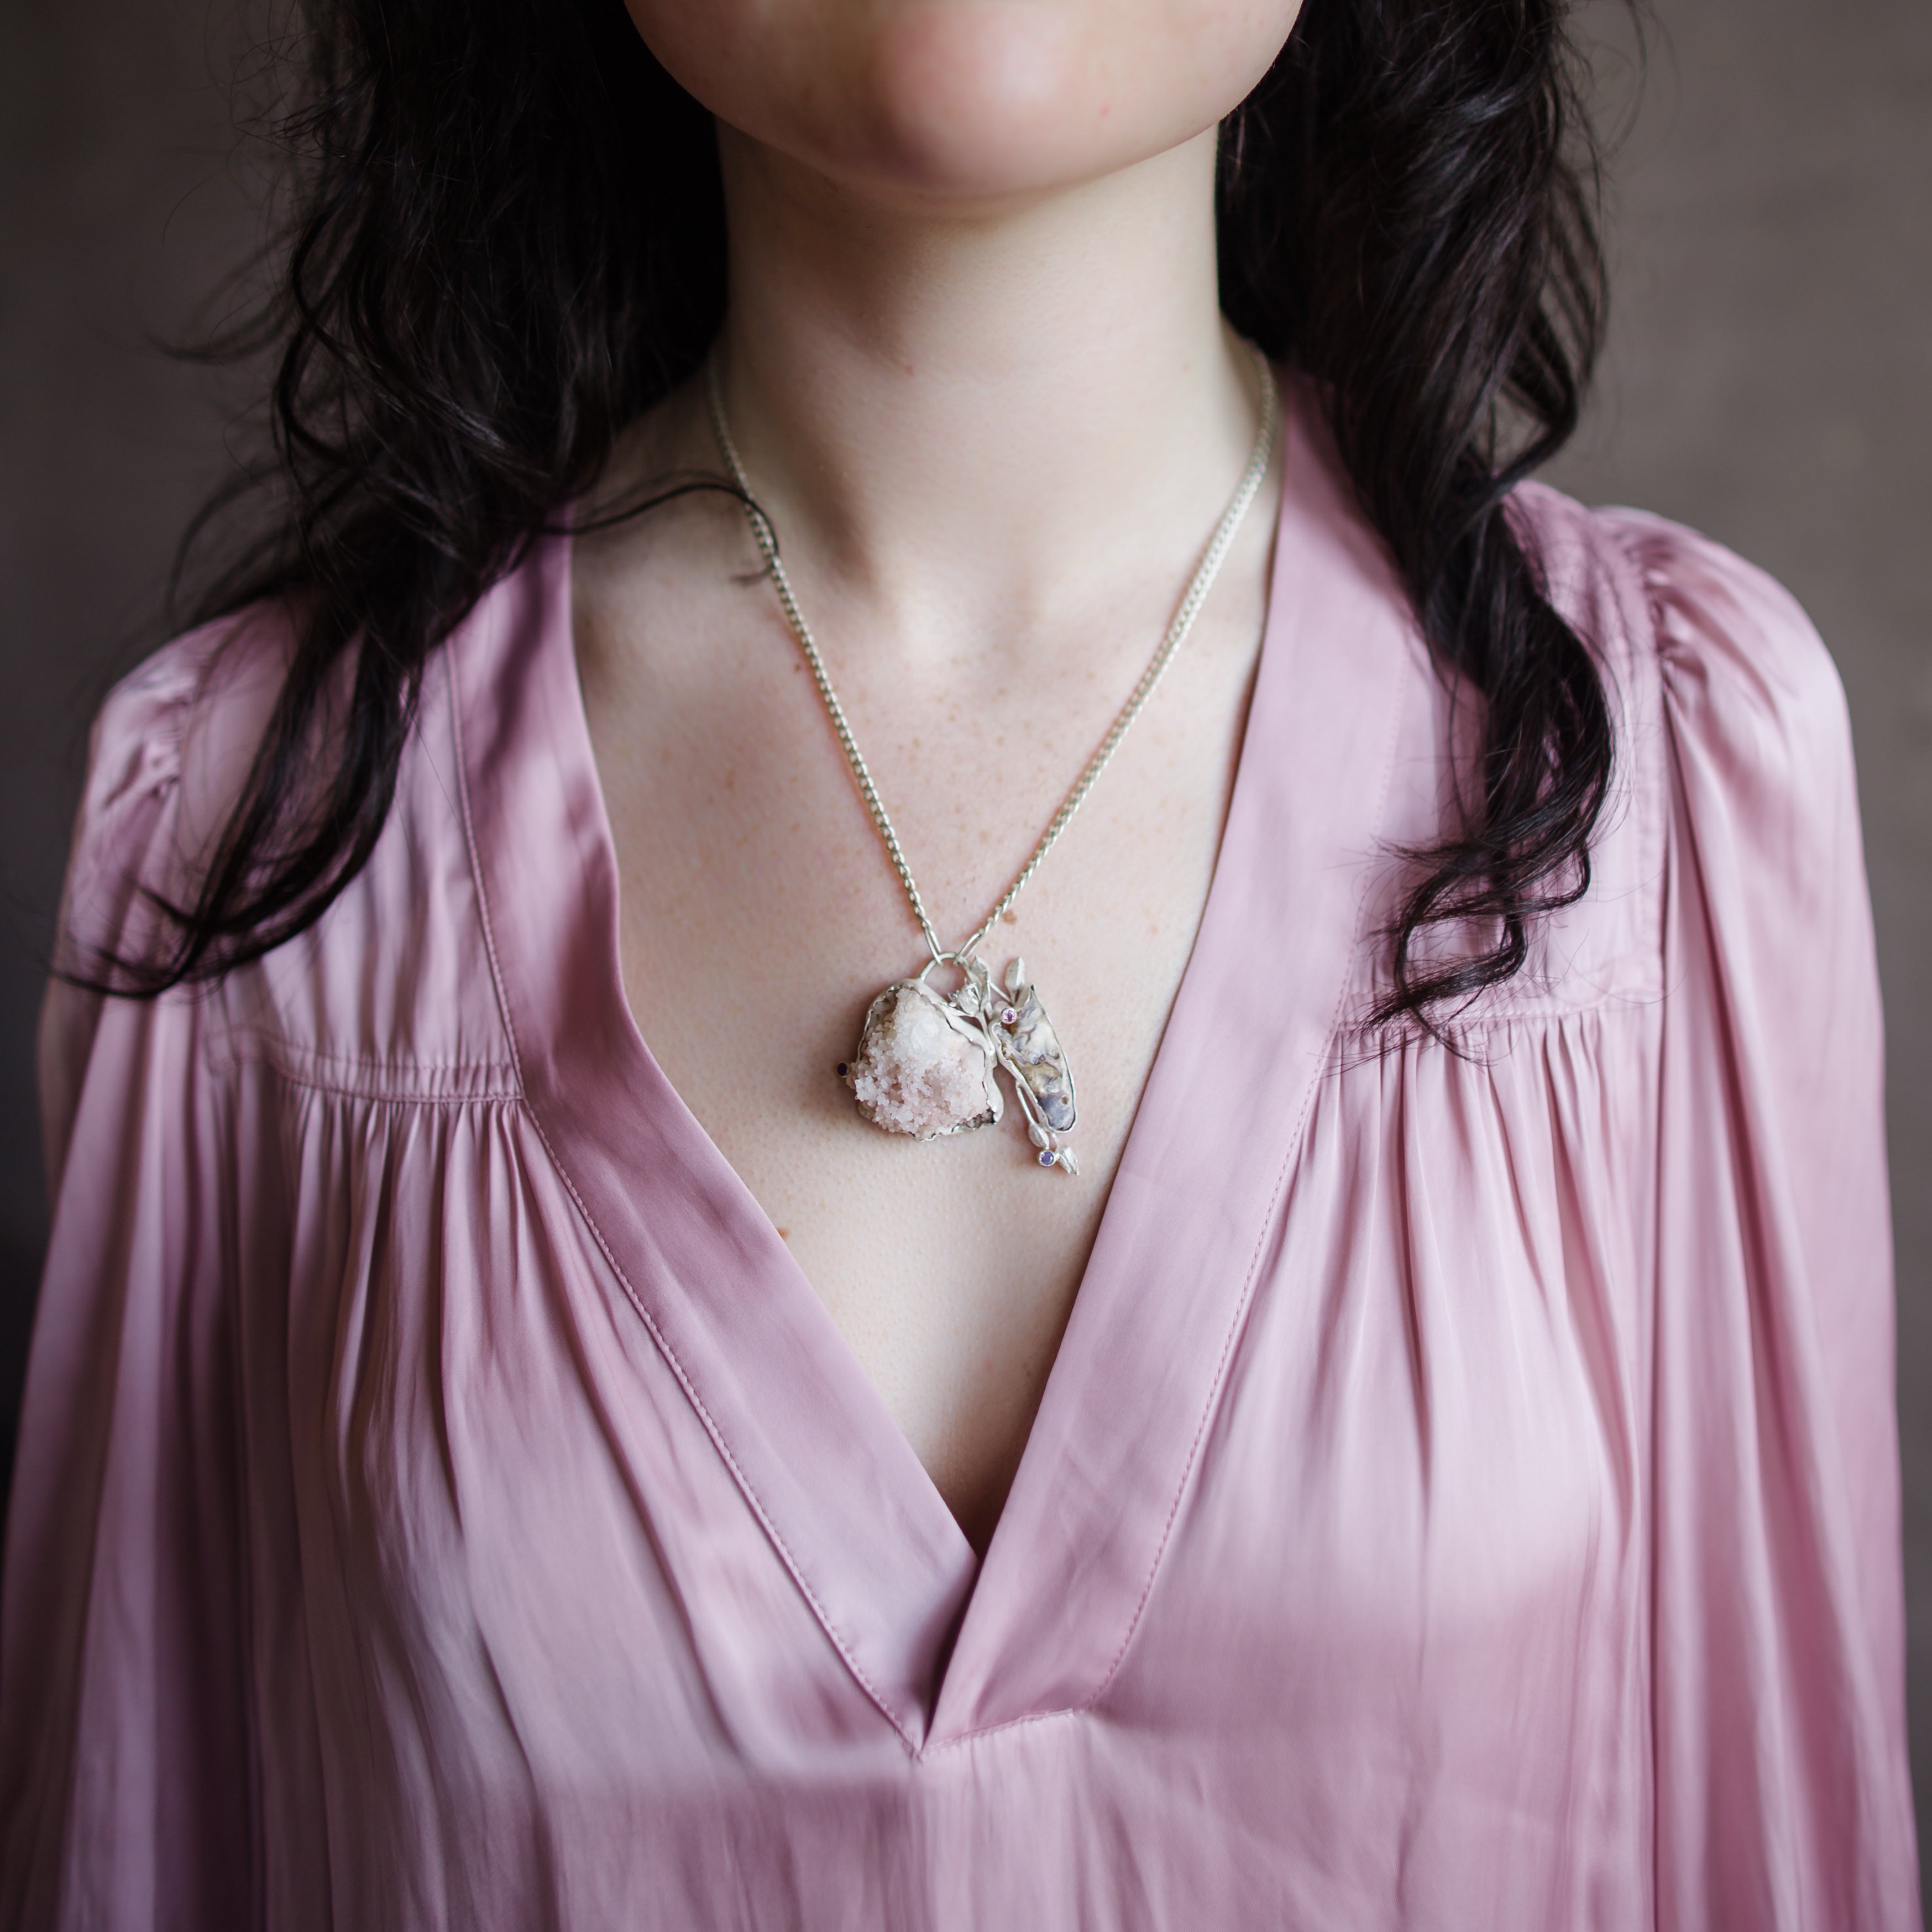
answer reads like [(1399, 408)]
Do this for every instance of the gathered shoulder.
[(171, 749), (1730, 650), (1742, 666), (1717, 670), (1703, 598), (388, 990), (1732, 749)]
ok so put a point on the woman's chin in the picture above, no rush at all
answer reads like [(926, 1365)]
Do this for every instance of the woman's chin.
[(987, 99), (967, 101)]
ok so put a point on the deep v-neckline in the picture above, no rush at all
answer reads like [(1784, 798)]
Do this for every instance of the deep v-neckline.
[(946, 1645)]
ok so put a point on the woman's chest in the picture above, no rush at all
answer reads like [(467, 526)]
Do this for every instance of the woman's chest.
[(761, 914)]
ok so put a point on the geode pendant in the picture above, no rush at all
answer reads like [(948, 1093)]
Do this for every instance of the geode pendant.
[(923, 1067), (925, 1064)]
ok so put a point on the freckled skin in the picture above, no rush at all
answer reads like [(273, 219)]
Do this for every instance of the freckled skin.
[(974, 360)]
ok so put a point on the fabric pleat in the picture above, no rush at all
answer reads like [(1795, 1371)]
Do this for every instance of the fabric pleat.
[(441, 1504)]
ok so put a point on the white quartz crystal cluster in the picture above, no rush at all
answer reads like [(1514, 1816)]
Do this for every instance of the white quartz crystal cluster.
[(923, 1069)]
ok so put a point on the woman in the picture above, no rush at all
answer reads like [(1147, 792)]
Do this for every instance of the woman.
[(1353, 1389)]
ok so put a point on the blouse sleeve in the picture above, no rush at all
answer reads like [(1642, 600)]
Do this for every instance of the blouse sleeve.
[(1782, 1795), (124, 1761)]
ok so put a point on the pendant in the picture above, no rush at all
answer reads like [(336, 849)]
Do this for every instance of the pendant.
[(924, 1067), (927, 1064)]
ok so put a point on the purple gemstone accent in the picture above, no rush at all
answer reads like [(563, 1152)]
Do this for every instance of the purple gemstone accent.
[(1048, 1156), (1008, 1018)]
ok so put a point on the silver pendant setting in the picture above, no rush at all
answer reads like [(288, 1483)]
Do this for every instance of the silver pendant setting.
[(927, 1064)]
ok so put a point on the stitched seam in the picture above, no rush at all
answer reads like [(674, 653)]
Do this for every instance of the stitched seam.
[(1240, 1315), (1234, 1328), (476, 866), (493, 1096), (1614, 1003), (711, 1428), (993, 1730), (285, 1062), (604, 1247), (281, 1043)]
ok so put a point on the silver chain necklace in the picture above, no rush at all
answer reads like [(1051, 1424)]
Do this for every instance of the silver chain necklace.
[(926, 1063)]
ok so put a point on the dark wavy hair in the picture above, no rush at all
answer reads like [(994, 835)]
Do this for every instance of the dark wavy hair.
[(504, 240)]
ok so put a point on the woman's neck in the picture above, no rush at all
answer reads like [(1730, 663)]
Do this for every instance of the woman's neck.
[(987, 413)]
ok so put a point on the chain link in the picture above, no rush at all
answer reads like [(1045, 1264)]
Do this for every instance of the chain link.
[(1202, 582)]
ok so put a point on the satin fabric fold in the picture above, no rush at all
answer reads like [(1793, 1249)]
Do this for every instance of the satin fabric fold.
[(1466, 1495)]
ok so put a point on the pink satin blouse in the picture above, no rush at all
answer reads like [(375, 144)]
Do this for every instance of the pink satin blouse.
[(1466, 1496)]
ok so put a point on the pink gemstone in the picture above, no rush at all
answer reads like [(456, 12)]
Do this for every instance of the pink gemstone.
[(1008, 1018)]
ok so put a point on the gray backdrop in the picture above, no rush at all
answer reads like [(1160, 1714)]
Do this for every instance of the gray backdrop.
[(1770, 382)]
